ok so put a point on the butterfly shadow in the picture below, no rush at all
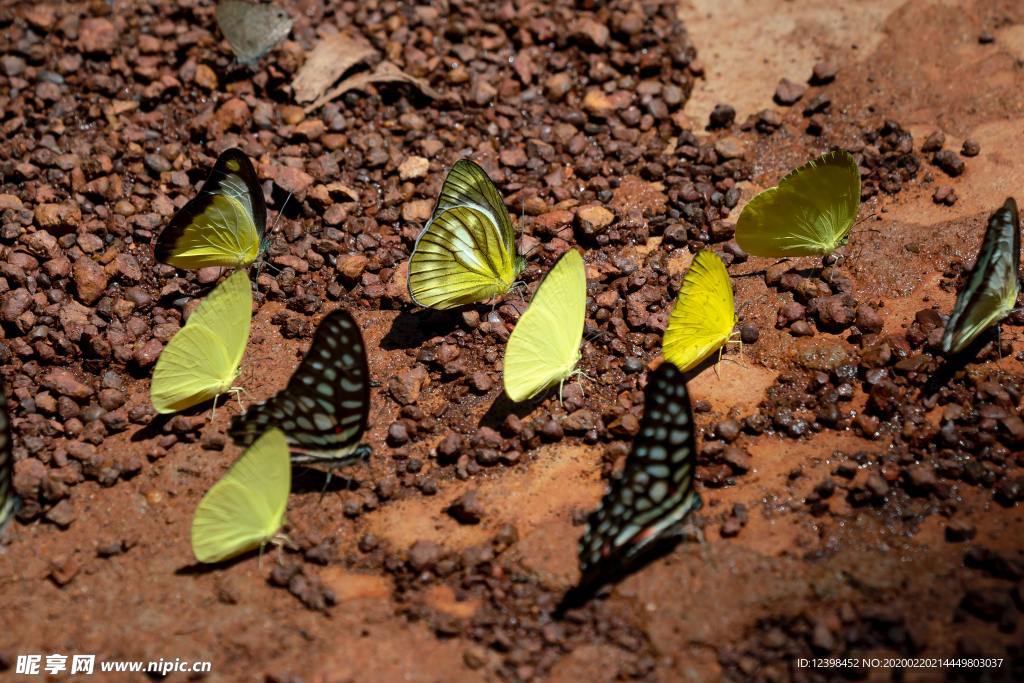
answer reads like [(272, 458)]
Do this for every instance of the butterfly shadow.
[(307, 479), (601, 584), (154, 428), (202, 568), (954, 363), (503, 406), (410, 330)]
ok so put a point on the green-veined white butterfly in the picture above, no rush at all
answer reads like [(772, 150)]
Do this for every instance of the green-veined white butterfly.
[(467, 250)]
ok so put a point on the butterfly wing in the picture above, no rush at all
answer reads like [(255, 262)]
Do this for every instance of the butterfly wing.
[(653, 494), (466, 251), (245, 508), (201, 360), (224, 224), (809, 213), (8, 501), (252, 29), (544, 347), (467, 184), (704, 314), (325, 407), (993, 285)]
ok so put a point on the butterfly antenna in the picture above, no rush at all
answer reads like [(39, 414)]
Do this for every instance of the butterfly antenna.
[(280, 212), (529, 253), (868, 217)]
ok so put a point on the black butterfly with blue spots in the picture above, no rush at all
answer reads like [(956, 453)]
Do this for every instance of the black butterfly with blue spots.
[(326, 406), (646, 503)]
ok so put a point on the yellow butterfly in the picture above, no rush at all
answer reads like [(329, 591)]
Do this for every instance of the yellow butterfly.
[(704, 314), (809, 213), (201, 361), (245, 508), (545, 345), (467, 250), (224, 224)]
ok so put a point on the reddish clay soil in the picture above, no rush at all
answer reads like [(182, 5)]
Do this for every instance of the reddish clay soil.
[(850, 507)]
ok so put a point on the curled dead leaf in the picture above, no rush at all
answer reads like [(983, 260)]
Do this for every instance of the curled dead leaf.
[(385, 72), (329, 60)]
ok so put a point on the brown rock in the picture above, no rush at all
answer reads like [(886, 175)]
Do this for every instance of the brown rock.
[(591, 33), (466, 509), (730, 148), (206, 77), (601, 105), (593, 219), (29, 477), (351, 266), (424, 554), (14, 303), (233, 114), (405, 386), (10, 201), (62, 514), (417, 211), (824, 72), (934, 142), (146, 355), (90, 280), (413, 167), (788, 93), (513, 157), (291, 178), (97, 35), (552, 223), (58, 218), (62, 382)]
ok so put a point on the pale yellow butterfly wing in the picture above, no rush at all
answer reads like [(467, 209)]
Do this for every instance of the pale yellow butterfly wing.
[(704, 313), (545, 345), (201, 361), (809, 213), (246, 507)]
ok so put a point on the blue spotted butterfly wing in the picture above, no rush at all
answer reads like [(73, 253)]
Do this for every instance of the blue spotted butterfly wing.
[(325, 407), (647, 502), (8, 501)]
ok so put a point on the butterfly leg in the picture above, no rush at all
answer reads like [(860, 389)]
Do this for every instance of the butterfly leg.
[(327, 482), (738, 342), (238, 391)]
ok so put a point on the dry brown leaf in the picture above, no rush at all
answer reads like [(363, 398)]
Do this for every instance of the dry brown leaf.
[(329, 60), (385, 72)]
